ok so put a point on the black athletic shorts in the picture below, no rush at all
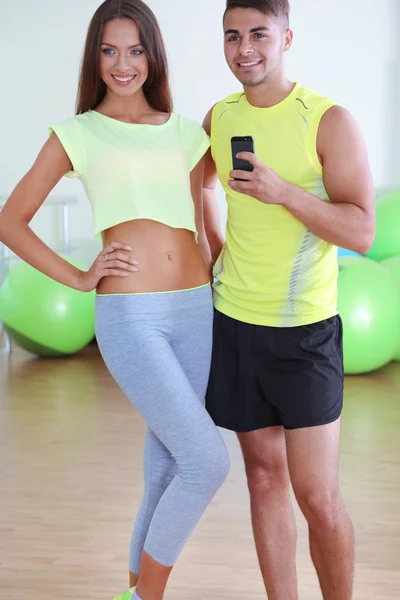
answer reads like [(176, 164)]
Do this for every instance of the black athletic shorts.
[(267, 376)]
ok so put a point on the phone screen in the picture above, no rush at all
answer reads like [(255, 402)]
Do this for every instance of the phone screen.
[(242, 144)]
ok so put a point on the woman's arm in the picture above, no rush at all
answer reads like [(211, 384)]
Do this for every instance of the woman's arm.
[(50, 166), (196, 182), (212, 220)]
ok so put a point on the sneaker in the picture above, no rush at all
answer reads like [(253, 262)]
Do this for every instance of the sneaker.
[(126, 595)]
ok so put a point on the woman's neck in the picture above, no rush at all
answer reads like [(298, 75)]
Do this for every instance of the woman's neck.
[(130, 108)]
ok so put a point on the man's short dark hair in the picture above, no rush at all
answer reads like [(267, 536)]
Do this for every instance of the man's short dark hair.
[(277, 8)]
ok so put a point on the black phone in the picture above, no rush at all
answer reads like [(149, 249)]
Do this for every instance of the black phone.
[(243, 143)]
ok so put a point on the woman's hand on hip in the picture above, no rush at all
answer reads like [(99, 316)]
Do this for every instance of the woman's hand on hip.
[(111, 262)]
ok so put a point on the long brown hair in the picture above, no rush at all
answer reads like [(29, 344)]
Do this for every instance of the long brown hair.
[(92, 88)]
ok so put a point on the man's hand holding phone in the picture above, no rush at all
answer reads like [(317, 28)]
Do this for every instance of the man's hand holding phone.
[(257, 180)]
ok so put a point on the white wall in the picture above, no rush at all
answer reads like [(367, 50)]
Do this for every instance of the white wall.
[(344, 49)]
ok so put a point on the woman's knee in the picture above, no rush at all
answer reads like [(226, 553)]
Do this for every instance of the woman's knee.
[(220, 466), (210, 463)]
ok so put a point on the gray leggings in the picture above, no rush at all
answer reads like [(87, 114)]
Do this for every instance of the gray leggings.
[(158, 349)]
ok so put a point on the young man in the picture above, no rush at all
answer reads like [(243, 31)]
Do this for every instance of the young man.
[(277, 371)]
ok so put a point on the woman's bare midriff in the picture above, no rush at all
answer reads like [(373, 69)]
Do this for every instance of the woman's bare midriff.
[(169, 259)]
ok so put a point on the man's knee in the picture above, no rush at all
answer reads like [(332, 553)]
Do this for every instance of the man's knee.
[(267, 475), (322, 509)]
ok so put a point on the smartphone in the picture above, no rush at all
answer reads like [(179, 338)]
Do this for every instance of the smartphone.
[(242, 144)]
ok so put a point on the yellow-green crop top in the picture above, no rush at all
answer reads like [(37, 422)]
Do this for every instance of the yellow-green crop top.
[(134, 171), (273, 271)]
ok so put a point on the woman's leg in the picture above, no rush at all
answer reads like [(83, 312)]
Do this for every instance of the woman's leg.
[(184, 427), (159, 466), (159, 470), (179, 420), (135, 345)]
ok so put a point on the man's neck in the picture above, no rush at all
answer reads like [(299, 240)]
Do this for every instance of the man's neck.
[(269, 93)]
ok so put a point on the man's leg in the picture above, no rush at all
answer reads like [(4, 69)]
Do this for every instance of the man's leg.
[(274, 527), (313, 466)]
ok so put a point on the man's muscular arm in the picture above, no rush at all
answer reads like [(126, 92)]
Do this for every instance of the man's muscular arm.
[(349, 219)]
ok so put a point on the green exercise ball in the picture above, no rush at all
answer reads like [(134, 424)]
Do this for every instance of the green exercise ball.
[(368, 303), (393, 264), (44, 316), (387, 239)]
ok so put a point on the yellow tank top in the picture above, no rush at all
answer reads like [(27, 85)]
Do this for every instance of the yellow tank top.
[(272, 270)]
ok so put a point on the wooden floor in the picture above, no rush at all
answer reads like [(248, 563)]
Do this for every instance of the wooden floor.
[(70, 483)]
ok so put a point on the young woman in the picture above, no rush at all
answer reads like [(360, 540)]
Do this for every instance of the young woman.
[(142, 168)]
